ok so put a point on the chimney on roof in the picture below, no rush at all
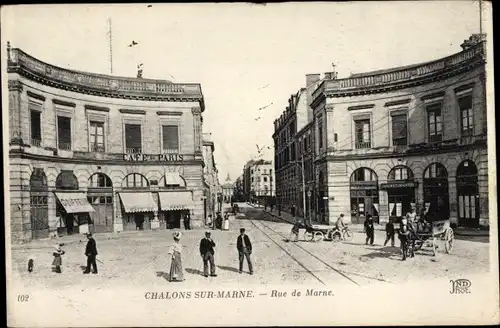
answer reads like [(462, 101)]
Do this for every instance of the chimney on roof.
[(311, 79)]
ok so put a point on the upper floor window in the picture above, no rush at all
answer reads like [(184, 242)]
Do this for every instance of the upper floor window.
[(362, 136), (320, 132), (265, 179), (466, 116), (36, 127), (170, 138), (399, 130), (434, 123), (64, 133), (96, 136), (133, 139)]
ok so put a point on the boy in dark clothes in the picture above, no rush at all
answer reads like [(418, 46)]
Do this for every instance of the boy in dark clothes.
[(369, 229), (389, 231)]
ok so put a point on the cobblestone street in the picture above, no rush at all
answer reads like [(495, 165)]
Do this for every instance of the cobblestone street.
[(135, 258)]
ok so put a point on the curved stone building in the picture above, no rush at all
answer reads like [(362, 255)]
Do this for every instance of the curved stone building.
[(101, 153), (389, 140), (406, 136)]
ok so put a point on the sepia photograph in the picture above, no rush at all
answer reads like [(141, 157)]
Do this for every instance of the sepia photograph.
[(249, 164)]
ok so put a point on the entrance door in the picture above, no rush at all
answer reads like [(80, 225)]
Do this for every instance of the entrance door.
[(103, 215), (139, 221), (468, 194), (39, 216)]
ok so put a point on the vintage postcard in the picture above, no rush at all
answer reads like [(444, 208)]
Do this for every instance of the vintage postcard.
[(243, 164)]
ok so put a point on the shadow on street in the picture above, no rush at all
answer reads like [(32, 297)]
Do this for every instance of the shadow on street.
[(195, 272), (226, 268)]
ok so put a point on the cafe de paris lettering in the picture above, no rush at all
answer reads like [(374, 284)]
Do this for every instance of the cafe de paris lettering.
[(153, 157)]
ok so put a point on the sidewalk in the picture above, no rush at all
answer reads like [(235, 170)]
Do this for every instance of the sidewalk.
[(459, 231)]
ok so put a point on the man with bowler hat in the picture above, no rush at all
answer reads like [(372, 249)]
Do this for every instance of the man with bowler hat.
[(244, 250), (91, 253)]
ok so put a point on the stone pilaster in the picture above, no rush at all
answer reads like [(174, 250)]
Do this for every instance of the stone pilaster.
[(15, 89), (328, 127), (117, 209), (197, 129), (452, 196)]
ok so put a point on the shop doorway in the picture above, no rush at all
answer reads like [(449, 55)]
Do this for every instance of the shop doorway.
[(436, 194), (364, 195), (39, 209), (66, 181), (400, 188), (100, 196), (468, 194)]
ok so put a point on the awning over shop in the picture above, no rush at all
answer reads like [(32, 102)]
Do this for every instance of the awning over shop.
[(74, 202), (176, 200), (138, 202), (399, 184), (174, 179)]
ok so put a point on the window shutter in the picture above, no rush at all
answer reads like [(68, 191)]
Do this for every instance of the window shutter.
[(399, 126), (170, 137)]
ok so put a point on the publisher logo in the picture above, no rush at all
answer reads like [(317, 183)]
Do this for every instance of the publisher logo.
[(460, 286)]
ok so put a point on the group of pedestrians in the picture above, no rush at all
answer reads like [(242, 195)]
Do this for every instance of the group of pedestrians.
[(207, 253)]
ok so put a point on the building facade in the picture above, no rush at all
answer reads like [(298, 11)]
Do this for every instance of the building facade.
[(259, 180), (106, 153), (211, 176), (294, 153), (413, 136), (227, 190)]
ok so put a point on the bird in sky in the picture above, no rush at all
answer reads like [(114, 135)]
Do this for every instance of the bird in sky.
[(258, 118), (133, 44), (264, 87), (261, 108), (259, 150)]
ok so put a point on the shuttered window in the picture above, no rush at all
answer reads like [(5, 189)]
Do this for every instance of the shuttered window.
[(363, 134), (64, 132), (434, 123), (36, 128), (466, 117), (133, 138), (399, 130), (170, 138)]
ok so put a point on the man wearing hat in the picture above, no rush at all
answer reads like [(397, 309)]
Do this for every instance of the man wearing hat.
[(244, 247), (207, 254), (91, 253)]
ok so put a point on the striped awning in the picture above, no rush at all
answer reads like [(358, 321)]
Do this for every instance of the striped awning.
[(138, 202), (176, 200), (174, 179), (74, 202)]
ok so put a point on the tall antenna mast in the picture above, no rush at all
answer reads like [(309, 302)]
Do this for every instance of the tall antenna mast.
[(110, 41)]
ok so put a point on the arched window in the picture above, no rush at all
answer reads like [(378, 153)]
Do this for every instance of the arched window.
[(66, 180), (467, 168), (400, 172), (38, 180), (435, 170), (363, 174), (100, 180), (135, 180), (172, 180)]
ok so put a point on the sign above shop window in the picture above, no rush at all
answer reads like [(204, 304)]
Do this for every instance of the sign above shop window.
[(399, 184), (153, 157)]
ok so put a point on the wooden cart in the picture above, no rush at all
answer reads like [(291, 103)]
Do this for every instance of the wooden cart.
[(428, 236)]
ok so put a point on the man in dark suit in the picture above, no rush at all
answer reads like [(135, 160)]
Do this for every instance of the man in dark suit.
[(91, 253), (244, 250), (207, 254)]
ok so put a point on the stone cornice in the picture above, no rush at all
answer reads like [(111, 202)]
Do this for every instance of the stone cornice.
[(168, 113), (96, 108), (358, 107), (35, 95), (464, 87), (397, 102), (433, 95), (100, 84), (132, 111), (405, 77), (63, 103)]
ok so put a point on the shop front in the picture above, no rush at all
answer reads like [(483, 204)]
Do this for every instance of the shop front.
[(75, 212), (138, 210), (39, 208), (100, 196), (174, 205), (400, 189), (364, 195), (468, 194), (436, 194)]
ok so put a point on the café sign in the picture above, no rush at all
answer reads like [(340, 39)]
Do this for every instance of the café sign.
[(402, 184), (153, 157)]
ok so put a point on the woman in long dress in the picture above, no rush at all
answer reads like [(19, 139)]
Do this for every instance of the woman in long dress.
[(176, 272), (226, 222)]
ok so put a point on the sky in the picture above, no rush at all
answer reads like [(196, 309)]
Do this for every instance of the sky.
[(245, 56)]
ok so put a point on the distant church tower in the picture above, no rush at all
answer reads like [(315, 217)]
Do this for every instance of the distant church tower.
[(228, 179)]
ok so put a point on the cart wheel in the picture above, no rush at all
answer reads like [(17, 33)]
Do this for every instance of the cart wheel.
[(434, 246), (318, 236), (348, 235), (308, 236), (448, 243)]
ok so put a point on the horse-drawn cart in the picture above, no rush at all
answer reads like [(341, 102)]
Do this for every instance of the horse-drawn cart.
[(428, 234)]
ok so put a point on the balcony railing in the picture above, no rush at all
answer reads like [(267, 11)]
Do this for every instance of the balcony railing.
[(399, 142), (435, 138), (388, 77), (170, 150), (64, 145), (97, 148), (364, 144), (36, 142), (133, 150)]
